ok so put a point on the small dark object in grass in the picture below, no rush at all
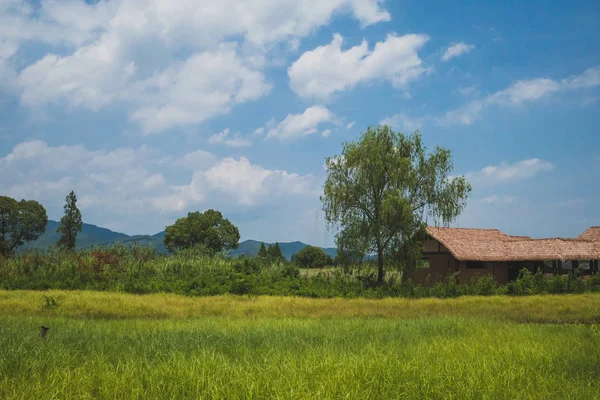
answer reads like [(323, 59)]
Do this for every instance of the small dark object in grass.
[(44, 331)]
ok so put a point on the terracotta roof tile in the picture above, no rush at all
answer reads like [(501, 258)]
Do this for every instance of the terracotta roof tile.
[(493, 245), (592, 233)]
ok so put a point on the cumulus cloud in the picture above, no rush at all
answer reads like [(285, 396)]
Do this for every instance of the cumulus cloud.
[(518, 93), (128, 52), (505, 172), (457, 50), (235, 140), (328, 69), (297, 125), (130, 184), (403, 121)]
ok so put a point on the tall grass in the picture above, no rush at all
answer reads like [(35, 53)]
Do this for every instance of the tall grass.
[(139, 270), (581, 308), (160, 346), (291, 358)]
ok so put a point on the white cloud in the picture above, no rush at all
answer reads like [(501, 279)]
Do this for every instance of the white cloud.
[(127, 52), (235, 140), (457, 50), (506, 172), (198, 159), (307, 123), (92, 77), (404, 121), (70, 22), (328, 69), (240, 182), (350, 125), (326, 132), (499, 200), (589, 78), (522, 91), (469, 90), (131, 184), (519, 93)]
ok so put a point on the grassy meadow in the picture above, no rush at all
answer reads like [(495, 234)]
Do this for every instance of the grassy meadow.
[(111, 345)]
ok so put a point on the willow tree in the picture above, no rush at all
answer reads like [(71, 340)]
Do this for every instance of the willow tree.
[(385, 186)]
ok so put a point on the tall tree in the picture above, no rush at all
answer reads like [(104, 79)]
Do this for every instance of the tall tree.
[(384, 186), (274, 252), (262, 251), (20, 221), (70, 223), (208, 229)]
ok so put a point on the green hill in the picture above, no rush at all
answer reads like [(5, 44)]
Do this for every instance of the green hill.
[(287, 249), (92, 235)]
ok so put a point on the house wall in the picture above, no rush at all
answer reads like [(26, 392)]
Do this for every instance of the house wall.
[(442, 264)]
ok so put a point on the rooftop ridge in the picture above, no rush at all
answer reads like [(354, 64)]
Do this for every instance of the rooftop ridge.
[(473, 229)]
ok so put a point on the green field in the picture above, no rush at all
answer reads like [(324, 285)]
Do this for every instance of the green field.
[(109, 345)]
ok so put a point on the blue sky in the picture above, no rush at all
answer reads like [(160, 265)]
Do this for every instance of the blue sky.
[(151, 109)]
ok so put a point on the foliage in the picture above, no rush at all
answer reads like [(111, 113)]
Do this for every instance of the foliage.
[(196, 272), (312, 257), (208, 229), (274, 253), (262, 251), (20, 221), (383, 186), (70, 223)]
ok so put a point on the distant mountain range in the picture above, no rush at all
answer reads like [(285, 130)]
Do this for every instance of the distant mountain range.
[(92, 235)]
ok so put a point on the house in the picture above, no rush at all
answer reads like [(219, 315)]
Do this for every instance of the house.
[(475, 252)]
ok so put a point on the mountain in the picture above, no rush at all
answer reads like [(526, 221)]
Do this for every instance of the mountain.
[(287, 249), (92, 235)]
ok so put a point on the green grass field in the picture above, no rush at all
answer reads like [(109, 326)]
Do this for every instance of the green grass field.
[(108, 345)]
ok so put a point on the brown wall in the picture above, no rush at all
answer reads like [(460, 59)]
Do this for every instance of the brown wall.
[(442, 264)]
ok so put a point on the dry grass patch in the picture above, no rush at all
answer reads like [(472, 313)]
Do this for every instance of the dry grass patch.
[(580, 308)]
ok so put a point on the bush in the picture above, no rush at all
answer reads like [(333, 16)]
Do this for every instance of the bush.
[(312, 257), (193, 272)]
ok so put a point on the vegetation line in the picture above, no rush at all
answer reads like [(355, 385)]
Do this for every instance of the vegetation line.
[(581, 308)]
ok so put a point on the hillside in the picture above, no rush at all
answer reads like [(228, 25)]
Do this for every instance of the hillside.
[(287, 249), (92, 235)]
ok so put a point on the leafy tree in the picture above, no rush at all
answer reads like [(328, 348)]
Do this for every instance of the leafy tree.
[(70, 223), (262, 252), (20, 221), (274, 252), (208, 229), (383, 188), (312, 257)]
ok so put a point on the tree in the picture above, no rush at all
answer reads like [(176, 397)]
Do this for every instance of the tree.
[(262, 251), (20, 221), (274, 252), (70, 223), (312, 257), (208, 229), (383, 188)]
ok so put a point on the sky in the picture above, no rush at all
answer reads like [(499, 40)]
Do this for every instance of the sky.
[(150, 109)]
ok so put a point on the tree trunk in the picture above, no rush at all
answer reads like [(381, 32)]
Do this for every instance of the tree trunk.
[(380, 265)]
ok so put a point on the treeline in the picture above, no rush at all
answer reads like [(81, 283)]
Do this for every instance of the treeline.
[(193, 272), (25, 220)]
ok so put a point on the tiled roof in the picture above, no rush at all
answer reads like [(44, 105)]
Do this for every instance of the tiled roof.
[(493, 245), (592, 233)]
